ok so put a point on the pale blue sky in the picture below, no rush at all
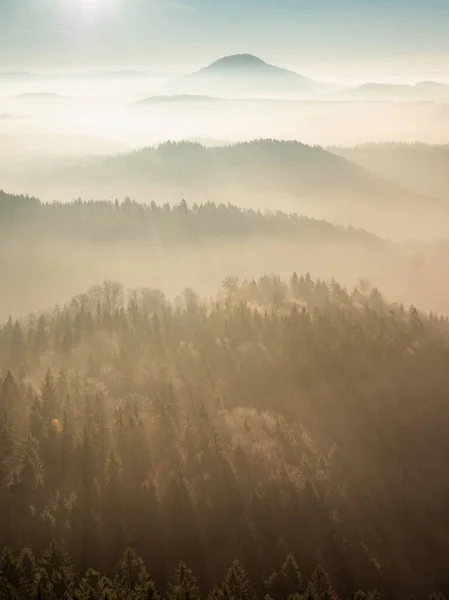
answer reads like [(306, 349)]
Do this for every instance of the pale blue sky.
[(401, 36)]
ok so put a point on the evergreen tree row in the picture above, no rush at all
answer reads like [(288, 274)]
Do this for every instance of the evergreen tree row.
[(51, 576), (130, 220)]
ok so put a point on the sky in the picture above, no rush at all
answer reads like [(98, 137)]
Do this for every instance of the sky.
[(330, 38)]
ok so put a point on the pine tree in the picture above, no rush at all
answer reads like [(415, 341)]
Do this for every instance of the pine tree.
[(57, 573), (6, 450), (26, 487), (10, 568), (294, 285), (36, 427), (236, 585), (41, 339), (131, 572), (184, 585), (48, 397), (92, 585), (67, 336), (320, 586), (17, 355), (9, 393), (287, 581), (28, 474), (28, 573), (7, 591)]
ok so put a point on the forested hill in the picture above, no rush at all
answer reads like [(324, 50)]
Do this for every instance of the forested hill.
[(279, 417), (130, 220), (293, 167)]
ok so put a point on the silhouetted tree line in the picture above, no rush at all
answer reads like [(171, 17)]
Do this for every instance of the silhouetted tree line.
[(130, 220), (51, 576), (275, 419)]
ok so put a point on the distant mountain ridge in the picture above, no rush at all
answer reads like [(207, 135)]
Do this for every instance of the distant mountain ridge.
[(320, 183), (246, 73), (293, 167), (248, 64)]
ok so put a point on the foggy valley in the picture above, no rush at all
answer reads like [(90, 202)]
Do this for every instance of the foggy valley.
[(224, 304), (65, 136), (56, 250)]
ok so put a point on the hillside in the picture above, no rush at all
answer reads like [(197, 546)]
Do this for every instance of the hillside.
[(151, 223), (288, 166), (322, 183)]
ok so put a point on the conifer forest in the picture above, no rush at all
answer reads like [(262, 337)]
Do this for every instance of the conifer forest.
[(277, 438)]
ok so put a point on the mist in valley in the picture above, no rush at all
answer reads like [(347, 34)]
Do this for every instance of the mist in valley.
[(60, 132), (51, 252)]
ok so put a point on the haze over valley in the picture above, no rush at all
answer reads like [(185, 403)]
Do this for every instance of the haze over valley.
[(236, 98), (67, 135)]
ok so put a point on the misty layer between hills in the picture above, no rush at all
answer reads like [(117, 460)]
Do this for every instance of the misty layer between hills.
[(50, 251), (321, 183)]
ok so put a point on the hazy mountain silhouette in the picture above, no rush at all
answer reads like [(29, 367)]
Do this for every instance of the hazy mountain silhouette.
[(248, 64), (290, 167), (246, 73), (263, 173)]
